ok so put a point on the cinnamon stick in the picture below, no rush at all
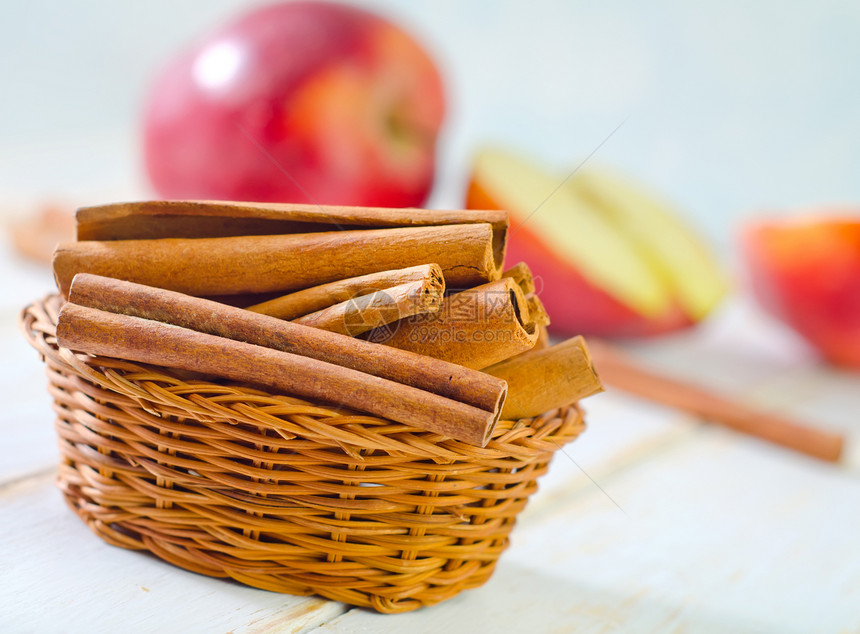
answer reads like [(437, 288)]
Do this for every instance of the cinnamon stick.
[(211, 219), (356, 316), (37, 233), (474, 328), (543, 380), (259, 264), (446, 379), (522, 275), (537, 311), (146, 341), (316, 298), (543, 340), (619, 371)]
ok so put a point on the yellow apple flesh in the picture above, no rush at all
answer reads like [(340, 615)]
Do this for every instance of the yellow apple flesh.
[(654, 229), (602, 271)]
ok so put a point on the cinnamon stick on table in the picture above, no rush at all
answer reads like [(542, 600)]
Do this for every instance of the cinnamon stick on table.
[(451, 381), (619, 371), (211, 219), (311, 300), (548, 378), (37, 233), (259, 264)]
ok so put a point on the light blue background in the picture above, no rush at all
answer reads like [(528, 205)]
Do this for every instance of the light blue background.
[(731, 109)]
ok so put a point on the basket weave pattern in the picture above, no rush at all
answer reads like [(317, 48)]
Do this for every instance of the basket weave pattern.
[(281, 494)]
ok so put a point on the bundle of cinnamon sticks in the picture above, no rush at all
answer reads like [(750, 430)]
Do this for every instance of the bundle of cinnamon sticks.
[(405, 314)]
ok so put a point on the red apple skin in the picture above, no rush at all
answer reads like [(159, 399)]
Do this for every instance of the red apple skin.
[(807, 273), (575, 305), (309, 102)]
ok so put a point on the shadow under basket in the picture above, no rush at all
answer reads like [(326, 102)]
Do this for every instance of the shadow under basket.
[(282, 494)]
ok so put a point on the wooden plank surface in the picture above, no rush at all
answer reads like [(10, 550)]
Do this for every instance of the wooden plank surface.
[(59, 577)]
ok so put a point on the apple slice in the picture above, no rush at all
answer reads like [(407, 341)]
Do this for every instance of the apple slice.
[(614, 261), (595, 280), (669, 247)]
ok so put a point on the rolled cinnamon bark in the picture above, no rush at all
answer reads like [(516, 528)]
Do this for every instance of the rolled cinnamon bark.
[(37, 233), (356, 316), (259, 264), (474, 328), (542, 380), (624, 373), (522, 275), (146, 341), (543, 339), (211, 219), (446, 379), (311, 300), (537, 311)]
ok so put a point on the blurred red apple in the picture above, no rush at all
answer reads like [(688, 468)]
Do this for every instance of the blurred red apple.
[(297, 102), (613, 260), (806, 272)]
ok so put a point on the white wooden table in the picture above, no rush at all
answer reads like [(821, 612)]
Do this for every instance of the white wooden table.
[(648, 522)]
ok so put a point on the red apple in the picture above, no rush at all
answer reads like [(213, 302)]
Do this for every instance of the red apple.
[(612, 260), (806, 272), (297, 102)]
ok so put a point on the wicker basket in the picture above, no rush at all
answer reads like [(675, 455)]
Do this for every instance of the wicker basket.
[(282, 494)]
